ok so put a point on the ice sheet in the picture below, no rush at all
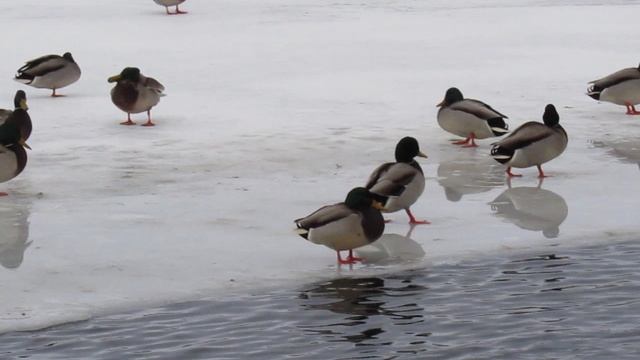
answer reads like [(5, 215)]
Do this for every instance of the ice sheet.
[(275, 108)]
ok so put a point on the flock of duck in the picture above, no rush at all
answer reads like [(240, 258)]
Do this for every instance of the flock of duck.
[(391, 186)]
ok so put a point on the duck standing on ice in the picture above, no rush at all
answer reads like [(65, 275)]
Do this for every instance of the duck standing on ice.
[(167, 3), (50, 72), (532, 143), (14, 131), (135, 93), (345, 226), (401, 182), (621, 88), (470, 119)]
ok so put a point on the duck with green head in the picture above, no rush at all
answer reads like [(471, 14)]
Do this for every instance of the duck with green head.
[(532, 144), (135, 93), (347, 225), (402, 182), (19, 113), (13, 133)]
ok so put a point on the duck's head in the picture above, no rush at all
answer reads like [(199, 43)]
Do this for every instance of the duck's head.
[(68, 56), (453, 95), (407, 149), (550, 116), (128, 73), (20, 100), (360, 198)]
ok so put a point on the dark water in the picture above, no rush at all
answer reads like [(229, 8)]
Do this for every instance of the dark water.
[(574, 304)]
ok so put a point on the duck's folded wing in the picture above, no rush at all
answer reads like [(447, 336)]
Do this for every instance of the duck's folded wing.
[(477, 108), (525, 135), (42, 65), (153, 84), (323, 216), (376, 174), (394, 180), (616, 78)]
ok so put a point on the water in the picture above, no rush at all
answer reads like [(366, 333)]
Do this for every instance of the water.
[(579, 303)]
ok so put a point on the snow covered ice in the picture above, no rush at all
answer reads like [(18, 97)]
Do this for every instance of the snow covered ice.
[(276, 107)]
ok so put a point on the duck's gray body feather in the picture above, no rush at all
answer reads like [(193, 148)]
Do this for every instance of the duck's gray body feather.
[(137, 97), (471, 116), (49, 72), (169, 2), (621, 87), (402, 183), (13, 159), (531, 144), (341, 228)]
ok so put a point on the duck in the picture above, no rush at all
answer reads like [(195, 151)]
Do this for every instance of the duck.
[(345, 226), (469, 118), (621, 88), (532, 144), (13, 157), (135, 93), (50, 72), (402, 182), (167, 3), (19, 102)]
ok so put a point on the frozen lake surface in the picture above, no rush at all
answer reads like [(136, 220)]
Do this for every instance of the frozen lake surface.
[(275, 108), (578, 303)]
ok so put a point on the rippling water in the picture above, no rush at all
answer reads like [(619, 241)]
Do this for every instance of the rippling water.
[(577, 303)]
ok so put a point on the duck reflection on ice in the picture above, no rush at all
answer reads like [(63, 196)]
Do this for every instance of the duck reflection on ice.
[(532, 208), (627, 150), (14, 233), (461, 177), (392, 248), (363, 301)]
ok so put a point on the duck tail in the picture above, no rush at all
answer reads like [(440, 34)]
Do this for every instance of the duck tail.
[(498, 126), (23, 78), (301, 231), (594, 92), (501, 154)]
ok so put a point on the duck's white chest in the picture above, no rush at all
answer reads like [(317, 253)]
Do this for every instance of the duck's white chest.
[(409, 196), (8, 164), (463, 124), (344, 234)]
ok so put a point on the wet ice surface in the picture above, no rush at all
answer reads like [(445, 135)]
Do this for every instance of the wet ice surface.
[(275, 108), (564, 303)]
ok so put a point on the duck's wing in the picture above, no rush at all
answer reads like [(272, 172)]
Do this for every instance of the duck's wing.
[(393, 179), (615, 78), (525, 135), (477, 108), (153, 84), (323, 216), (41, 66)]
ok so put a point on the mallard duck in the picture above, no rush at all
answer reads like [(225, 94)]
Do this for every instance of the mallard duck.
[(13, 157), (135, 93), (49, 72), (400, 182), (19, 102), (621, 88), (345, 226), (532, 143), (470, 119), (167, 3)]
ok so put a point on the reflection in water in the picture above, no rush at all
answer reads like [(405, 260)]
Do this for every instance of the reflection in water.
[(466, 176), (627, 150), (532, 208), (14, 233), (364, 301), (392, 248)]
